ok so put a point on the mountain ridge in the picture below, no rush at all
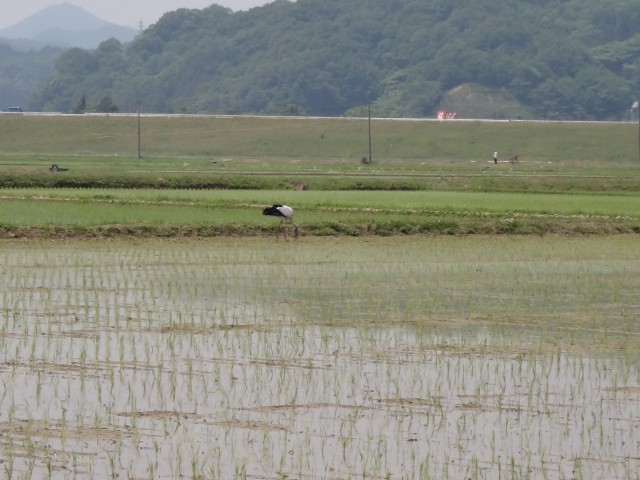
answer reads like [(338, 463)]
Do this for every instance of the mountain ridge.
[(66, 25), (554, 59)]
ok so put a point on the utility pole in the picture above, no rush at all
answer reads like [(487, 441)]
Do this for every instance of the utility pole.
[(636, 108), (370, 159), (139, 150)]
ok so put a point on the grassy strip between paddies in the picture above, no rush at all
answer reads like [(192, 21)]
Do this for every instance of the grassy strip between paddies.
[(470, 179), (144, 213)]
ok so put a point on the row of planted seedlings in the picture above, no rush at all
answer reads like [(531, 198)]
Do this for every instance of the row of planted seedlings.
[(224, 359)]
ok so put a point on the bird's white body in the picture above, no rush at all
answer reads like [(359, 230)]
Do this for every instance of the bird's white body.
[(284, 213), (287, 212)]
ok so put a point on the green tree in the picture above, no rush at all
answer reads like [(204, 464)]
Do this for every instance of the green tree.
[(106, 105), (330, 57), (81, 106)]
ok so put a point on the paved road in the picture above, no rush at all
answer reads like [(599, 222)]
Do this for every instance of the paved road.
[(277, 117)]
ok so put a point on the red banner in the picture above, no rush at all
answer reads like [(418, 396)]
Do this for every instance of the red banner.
[(442, 115)]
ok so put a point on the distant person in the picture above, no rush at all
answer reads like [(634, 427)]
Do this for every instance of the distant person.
[(495, 157)]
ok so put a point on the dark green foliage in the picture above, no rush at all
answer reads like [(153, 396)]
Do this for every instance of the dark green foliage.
[(106, 105), (22, 72), (600, 184), (559, 59), (456, 225), (81, 107)]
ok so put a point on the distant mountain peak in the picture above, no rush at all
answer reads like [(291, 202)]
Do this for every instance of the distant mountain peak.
[(71, 20)]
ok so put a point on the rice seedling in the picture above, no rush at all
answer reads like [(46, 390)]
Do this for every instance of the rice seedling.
[(414, 358), (84, 213)]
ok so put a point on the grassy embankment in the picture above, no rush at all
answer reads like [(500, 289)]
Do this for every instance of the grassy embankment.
[(570, 178)]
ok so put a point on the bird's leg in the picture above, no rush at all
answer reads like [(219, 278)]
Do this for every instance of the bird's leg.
[(284, 232)]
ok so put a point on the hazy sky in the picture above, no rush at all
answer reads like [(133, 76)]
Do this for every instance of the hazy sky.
[(122, 12)]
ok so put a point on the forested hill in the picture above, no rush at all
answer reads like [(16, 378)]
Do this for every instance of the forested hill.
[(551, 58)]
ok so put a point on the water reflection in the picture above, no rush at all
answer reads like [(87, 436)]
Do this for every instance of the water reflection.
[(219, 359)]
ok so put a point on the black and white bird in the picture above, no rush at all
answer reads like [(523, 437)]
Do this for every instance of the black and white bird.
[(284, 213)]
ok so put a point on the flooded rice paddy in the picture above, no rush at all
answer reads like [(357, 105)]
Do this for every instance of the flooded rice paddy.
[(399, 358)]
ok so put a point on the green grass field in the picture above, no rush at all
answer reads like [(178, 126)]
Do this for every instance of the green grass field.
[(313, 143), (426, 176), (32, 212)]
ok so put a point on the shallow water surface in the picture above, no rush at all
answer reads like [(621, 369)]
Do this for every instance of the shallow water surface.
[(381, 358)]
